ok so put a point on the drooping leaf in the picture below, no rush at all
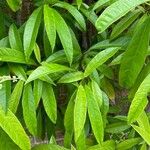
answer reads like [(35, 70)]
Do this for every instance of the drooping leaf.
[(140, 100), (80, 109), (14, 4), (15, 39), (99, 59), (50, 26), (15, 96), (94, 115), (10, 124), (112, 13), (134, 57), (71, 77), (31, 31), (29, 111), (74, 12), (49, 102), (46, 69)]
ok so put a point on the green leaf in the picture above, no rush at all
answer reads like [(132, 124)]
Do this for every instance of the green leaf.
[(134, 57), (15, 96), (10, 124), (99, 59), (15, 39), (80, 109), (144, 134), (71, 77), (64, 35), (31, 31), (124, 23), (48, 147), (29, 111), (14, 4), (46, 69), (74, 12), (11, 55), (37, 91), (50, 26), (49, 102), (37, 53), (5, 91), (117, 127), (112, 13), (100, 3), (129, 143), (140, 100), (79, 2), (94, 115)]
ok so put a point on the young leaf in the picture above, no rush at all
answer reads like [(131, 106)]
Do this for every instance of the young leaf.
[(71, 77), (46, 69), (99, 59), (15, 96), (64, 35), (134, 57), (29, 111), (14, 4), (49, 102), (112, 13), (50, 26), (80, 109), (31, 31), (140, 100), (94, 115), (74, 12), (10, 124), (14, 38)]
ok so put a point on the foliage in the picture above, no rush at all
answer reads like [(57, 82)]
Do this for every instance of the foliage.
[(76, 67)]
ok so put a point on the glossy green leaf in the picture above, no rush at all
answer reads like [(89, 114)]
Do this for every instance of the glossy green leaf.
[(100, 3), (74, 12), (31, 31), (79, 2), (64, 35), (50, 25), (29, 111), (94, 115), (99, 59), (16, 96), (46, 69), (129, 143), (135, 55), (112, 13), (140, 100), (71, 77), (37, 53), (14, 4), (10, 124), (80, 109), (49, 102), (11, 55)]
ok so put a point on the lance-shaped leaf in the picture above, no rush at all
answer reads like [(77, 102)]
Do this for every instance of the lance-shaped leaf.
[(71, 77), (31, 31), (134, 57), (99, 59), (29, 111), (14, 4), (140, 100), (80, 109), (49, 20), (94, 115), (37, 53), (115, 12), (15, 96), (64, 35), (74, 12), (14, 38), (49, 102), (46, 69), (11, 125), (100, 3)]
